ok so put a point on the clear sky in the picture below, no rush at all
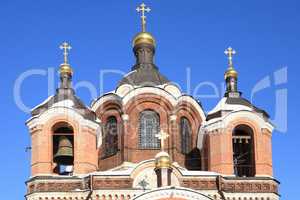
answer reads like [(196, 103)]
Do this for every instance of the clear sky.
[(191, 37)]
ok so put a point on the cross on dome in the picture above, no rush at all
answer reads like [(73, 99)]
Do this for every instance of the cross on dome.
[(162, 136), (66, 48), (142, 9), (229, 52)]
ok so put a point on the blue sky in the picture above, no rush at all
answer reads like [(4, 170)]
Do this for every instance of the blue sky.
[(191, 37)]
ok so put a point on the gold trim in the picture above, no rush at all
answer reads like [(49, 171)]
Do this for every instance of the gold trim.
[(143, 37), (65, 68), (163, 162), (231, 73)]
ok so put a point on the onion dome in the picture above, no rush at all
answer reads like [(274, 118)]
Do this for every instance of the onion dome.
[(230, 72), (143, 38), (144, 72), (231, 75), (65, 94), (65, 68)]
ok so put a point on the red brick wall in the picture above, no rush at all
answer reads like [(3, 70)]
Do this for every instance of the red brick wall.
[(129, 136), (219, 148)]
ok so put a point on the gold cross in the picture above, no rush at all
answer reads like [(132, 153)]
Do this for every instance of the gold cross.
[(66, 48), (162, 136), (230, 52), (143, 8)]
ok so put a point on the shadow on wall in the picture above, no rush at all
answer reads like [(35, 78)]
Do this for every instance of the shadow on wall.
[(193, 160)]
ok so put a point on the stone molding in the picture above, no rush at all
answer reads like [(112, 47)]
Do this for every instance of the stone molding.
[(40, 184)]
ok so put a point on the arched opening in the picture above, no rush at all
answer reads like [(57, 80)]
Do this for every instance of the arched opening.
[(192, 155), (186, 135), (148, 129), (243, 151), (63, 148), (111, 136)]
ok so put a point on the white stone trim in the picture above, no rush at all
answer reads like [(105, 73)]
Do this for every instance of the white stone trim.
[(149, 90), (222, 105), (192, 101), (125, 117), (107, 97), (124, 90), (52, 112), (173, 117), (173, 192), (173, 89), (223, 122)]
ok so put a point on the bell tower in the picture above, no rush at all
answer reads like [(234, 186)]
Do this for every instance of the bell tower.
[(63, 130), (241, 144)]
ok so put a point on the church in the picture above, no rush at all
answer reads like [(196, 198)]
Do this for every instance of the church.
[(147, 140)]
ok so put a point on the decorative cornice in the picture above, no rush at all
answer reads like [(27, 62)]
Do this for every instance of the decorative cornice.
[(63, 111), (229, 185)]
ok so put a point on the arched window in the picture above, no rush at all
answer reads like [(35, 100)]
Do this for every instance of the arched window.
[(63, 148), (243, 151), (111, 136), (186, 134), (149, 127)]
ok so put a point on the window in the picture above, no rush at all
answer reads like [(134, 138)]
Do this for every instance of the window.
[(185, 132), (149, 127), (111, 136), (63, 151), (243, 151)]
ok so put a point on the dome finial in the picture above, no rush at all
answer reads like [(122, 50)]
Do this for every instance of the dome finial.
[(163, 164), (143, 37), (65, 66), (231, 75), (162, 159), (229, 52), (65, 47), (142, 9)]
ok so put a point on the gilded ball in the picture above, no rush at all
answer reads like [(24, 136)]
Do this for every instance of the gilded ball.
[(143, 38)]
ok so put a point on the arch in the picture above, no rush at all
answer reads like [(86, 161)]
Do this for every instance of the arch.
[(243, 151), (172, 193), (186, 135), (108, 105), (190, 156), (164, 103), (111, 136), (62, 127), (158, 92), (63, 147), (109, 97), (149, 126), (136, 95)]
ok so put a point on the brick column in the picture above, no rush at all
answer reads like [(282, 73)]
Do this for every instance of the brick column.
[(125, 137), (41, 155), (220, 155), (173, 136), (263, 153), (85, 151)]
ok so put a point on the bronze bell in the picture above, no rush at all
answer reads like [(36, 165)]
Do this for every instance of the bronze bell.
[(64, 154)]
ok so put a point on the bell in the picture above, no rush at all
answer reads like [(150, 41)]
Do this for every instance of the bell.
[(64, 154)]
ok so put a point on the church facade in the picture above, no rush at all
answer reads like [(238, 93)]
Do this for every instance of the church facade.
[(149, 140)]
